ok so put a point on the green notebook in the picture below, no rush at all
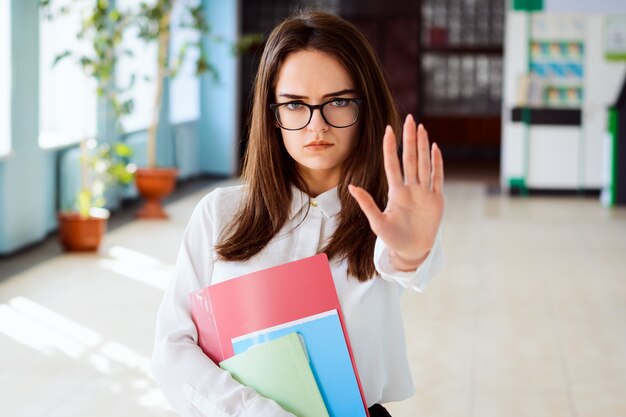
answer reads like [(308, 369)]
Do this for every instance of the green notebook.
[(280, 370)]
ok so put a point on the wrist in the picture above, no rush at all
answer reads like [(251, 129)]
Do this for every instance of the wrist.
[(406, 264)]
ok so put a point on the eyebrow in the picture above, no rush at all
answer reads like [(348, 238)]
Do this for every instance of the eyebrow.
[(334, 94)]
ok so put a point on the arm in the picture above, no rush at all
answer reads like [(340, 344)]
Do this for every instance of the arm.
[(192, 383)]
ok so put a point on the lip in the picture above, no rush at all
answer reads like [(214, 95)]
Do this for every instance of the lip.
[(318, 145)]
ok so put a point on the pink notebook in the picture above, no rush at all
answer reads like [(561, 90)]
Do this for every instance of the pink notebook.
[(264, 299)]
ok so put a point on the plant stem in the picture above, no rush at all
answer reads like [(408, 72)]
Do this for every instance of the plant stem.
[(163, 49), (85, 180)]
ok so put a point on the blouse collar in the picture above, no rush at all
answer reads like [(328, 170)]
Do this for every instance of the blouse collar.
[(328, 202)]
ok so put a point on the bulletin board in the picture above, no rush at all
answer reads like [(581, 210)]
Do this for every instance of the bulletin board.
[(556, 58)]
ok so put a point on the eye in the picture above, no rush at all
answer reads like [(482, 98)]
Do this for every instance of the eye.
[(294, 105), (339, 102)]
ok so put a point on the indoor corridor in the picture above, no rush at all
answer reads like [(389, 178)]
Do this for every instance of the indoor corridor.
[(525, 319)]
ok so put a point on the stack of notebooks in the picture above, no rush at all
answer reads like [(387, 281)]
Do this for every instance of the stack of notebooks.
[(281, 332)]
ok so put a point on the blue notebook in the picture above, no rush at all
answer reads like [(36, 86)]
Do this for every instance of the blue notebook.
[(328, 355)]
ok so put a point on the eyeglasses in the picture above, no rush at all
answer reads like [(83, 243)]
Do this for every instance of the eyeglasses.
[(296, 115)]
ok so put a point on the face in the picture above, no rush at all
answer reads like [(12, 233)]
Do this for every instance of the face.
[(319, 149)]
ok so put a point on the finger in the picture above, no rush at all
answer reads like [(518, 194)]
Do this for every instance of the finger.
[(437, 174), (423, 156), (390, 155), (409, 153), (368, 205)]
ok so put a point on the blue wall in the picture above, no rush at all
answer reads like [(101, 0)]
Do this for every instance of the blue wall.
[(28, 178), (23, 200), (219, 100)]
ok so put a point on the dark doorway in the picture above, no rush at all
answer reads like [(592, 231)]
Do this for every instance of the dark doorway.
[(461, 80)]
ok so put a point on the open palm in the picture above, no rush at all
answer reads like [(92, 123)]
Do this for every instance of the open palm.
[(410, 222)]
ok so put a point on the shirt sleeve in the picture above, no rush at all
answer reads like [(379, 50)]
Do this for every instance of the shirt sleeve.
[(193, 384), (416, 280)]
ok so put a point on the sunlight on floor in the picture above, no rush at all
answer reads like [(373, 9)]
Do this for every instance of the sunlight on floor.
[(49, 333), (138, 266), (43, 330)]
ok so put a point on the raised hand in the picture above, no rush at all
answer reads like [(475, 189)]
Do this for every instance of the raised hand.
[(414, 209)]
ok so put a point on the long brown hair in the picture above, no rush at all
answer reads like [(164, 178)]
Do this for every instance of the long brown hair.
[(268, 169)]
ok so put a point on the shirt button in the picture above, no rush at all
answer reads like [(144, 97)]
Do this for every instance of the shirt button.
[(314, 203)]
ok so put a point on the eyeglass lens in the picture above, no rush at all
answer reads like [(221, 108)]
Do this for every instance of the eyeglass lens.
[(337, 113)]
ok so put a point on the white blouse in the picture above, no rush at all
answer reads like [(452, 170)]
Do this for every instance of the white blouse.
[(195, 386)]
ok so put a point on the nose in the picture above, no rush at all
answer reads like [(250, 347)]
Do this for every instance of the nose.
[(317, 123)]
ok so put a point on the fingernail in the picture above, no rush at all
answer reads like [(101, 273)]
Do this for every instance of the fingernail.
[(409, 117), (420, 127)]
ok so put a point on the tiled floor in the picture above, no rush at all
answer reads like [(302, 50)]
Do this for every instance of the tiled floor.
[(528, 317)]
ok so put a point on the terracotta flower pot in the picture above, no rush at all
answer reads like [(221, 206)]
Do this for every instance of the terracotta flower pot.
[(154, 184), (78, 234)]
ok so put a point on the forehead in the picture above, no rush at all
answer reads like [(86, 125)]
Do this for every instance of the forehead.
[(312, 74)]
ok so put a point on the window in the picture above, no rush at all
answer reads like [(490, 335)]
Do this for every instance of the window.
[(185, 87), (67, 97), (143, 64), (5, 77)]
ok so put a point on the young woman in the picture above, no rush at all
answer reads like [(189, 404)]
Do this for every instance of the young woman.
[(321, 174)]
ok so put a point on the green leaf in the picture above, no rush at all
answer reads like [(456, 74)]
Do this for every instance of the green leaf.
[(115, 16), (85, 61), (122, 150), (61, 57), (248, 42), (127, 106)]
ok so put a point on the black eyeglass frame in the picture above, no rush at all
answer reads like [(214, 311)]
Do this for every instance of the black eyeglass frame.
[(313, 107)]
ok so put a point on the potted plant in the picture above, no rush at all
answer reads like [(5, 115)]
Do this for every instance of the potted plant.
[(82, 226), (154, 23), (104, 28)]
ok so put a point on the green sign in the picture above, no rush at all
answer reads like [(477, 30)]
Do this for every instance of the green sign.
[(528, 5)]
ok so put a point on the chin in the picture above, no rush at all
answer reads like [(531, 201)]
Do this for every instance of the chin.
[(318, 165)]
